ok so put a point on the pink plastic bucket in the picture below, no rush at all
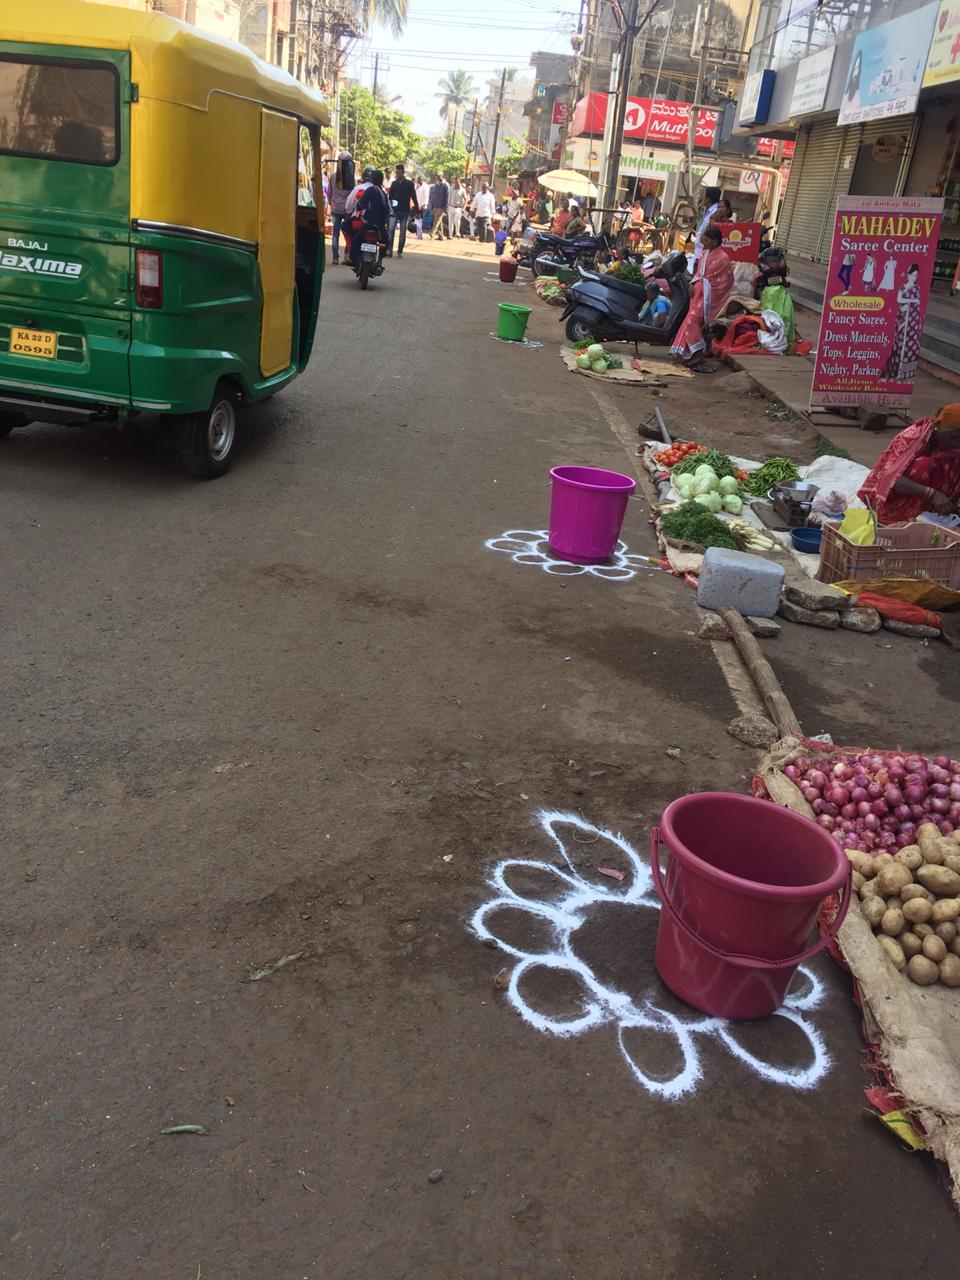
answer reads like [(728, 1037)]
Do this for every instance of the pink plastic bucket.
[(587, 506), (744, 882)]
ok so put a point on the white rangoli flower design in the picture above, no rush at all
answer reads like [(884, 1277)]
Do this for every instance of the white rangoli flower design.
[(531, 546), (566, 912)]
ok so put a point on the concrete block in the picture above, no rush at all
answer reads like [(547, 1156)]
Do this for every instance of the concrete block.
[(765, 628), (816, 595), (861, 619), (754, 729), (737, 580), (825, 618), (914, 629)]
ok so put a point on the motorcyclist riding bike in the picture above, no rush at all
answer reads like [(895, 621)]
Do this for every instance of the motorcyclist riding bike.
[(367, 206)]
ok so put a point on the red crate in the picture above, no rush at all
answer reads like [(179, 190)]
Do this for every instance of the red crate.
[(915, 550)]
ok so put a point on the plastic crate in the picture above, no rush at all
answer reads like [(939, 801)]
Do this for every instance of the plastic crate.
[(914, 550)]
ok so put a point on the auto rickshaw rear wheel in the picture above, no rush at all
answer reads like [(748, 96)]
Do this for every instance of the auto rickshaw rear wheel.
[(209, 437), (10, 420)]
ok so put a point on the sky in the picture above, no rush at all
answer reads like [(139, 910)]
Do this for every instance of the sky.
[(479, 38)]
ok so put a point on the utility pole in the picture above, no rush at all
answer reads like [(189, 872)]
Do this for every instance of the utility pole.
[(625, 61), (496, 131), (292, 52), (376, 73), (695, 105), (308, 76)]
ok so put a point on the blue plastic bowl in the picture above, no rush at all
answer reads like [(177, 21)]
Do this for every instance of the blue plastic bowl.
[(806, 540)]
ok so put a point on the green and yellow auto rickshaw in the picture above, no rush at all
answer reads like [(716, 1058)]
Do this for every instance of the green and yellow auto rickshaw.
[(161, 249)]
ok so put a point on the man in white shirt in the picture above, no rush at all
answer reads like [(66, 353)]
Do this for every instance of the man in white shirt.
[(711, 198), (484, 206), (423, 193), (455, 208)]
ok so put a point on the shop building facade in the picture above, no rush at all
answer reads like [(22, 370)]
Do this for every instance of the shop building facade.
[(871, 93)]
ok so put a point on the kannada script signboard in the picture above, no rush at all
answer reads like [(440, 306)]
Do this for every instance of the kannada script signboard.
[(878, 283)]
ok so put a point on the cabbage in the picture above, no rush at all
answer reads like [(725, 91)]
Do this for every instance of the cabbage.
[(595, 351), (728, 484), (583, 362), (732, 503), (684, 486), (709, 500), (707, 482), (703, 468), (599, 366)]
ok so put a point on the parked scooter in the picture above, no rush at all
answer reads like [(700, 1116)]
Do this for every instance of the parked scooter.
[(603, 307), (372, 250), (771, 269)]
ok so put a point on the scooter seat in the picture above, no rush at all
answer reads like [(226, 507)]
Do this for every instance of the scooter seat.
[(624, 286)]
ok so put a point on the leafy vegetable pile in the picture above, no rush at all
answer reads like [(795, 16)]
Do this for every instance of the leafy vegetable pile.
[(596, 359), (693, 522), (630, 273), (776, 471), (714, 492), (718, 462)]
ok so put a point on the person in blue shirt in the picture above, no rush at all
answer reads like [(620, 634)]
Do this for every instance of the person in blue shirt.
[(656, 308)]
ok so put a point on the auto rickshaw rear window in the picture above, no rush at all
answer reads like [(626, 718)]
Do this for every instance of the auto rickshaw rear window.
[(59, 110)]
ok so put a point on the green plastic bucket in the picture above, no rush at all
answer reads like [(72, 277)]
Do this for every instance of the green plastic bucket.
[(512, 323)]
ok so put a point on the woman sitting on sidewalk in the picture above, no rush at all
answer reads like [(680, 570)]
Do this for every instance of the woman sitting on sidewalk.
[(712, 286), (918, 471)]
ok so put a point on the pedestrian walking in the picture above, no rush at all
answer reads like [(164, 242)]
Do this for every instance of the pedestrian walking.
[(403, 203), (439, 199), (342, 182), (484, 206), (456, 201)]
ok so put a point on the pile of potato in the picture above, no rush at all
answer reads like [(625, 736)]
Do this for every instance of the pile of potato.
[(911, 900)]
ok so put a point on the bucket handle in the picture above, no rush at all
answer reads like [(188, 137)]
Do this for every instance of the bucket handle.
[(745, 962)]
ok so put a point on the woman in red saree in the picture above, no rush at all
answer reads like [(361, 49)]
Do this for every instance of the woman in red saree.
[(918, 471), (712, 286)]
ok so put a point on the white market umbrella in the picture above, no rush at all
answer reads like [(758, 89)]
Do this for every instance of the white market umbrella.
[(569, 180)]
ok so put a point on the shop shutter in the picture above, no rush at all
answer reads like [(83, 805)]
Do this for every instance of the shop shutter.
[(814, 191), (793, 186), (854, 137)]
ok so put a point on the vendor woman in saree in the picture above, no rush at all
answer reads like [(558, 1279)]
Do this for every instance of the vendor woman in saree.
[(918, 471), (712, 286)]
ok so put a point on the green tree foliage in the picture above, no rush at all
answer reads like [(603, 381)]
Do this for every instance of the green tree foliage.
[(510, 163), (373, 133), (444, 157)]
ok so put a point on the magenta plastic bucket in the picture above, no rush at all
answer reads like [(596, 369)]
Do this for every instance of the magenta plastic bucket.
[(744, 882), (587, 506)]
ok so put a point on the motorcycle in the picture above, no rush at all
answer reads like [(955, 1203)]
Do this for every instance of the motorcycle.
[(550, 254), (372, 249), (603, 307), (772, 269)]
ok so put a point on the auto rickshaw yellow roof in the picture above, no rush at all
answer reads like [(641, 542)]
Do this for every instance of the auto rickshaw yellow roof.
[(171, 59)]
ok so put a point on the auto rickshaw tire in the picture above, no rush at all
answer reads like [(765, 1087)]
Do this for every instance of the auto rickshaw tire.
[(209, 437), (9, 421)]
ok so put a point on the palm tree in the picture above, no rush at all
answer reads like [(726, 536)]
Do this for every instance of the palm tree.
[(389, 13), (456, 90)]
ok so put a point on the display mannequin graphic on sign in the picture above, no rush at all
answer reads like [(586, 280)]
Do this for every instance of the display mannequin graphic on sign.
[(888, 284), (902, 362), (845, 271), (869, 273)]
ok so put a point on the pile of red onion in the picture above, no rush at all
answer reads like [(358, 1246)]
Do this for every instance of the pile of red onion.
[(875, 803)]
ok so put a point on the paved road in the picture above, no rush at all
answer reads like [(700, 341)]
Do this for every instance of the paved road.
[(303, 711)]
